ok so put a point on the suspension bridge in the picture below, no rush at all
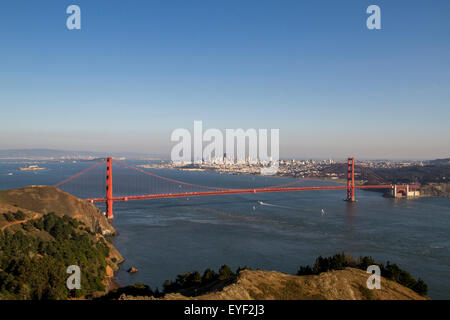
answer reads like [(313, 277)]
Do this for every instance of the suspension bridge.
[(143, 184)]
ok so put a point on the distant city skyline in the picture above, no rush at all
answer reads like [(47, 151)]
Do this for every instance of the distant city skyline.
[(138, 70)]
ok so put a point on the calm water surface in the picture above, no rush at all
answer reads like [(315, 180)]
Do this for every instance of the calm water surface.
[(165, 237)]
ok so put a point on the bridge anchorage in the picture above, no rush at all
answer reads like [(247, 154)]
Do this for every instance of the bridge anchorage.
[(148, 185)]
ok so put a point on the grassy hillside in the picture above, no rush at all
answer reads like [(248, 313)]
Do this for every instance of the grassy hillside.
[(347, 284), (37, 245), (338, 277), (45, 199)]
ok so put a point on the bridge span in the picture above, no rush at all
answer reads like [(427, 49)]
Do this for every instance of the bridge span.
[(162, 188)]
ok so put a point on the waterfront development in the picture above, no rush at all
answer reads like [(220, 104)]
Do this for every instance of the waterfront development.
[(271, 231)]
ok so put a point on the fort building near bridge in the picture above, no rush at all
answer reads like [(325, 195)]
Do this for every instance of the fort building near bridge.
[(405, 191)]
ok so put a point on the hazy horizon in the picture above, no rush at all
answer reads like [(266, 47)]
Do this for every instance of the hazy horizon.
[(167, 156)]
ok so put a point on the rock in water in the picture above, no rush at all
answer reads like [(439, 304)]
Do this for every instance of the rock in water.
[(132, 270)]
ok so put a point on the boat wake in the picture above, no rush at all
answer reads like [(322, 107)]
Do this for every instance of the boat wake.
[(273, 205)]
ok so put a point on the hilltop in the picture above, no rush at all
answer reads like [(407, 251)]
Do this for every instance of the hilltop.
[(347, 284), (339, 277), (40, 200)]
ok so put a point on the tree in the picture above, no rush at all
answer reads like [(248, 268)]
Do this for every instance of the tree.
[(225, 272), (194, 279), (19, 215), (420, 287), (167, 286), (209, 275)]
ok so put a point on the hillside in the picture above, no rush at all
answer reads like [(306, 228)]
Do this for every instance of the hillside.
[(44, 199), (348, 284), (435, 190), (44, 230)]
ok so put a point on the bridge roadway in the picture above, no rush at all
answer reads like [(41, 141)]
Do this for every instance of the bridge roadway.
[(236, 191)]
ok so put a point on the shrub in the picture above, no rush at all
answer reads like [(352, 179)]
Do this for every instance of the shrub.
[(9, 217), (195, 280), (19, 215)]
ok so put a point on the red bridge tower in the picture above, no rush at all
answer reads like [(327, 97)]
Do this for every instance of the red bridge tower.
[(109, 189), (350, 180)]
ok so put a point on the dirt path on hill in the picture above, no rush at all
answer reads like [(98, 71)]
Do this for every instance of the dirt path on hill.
[(37, 215)]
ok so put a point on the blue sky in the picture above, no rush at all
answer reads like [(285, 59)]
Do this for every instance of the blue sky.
[(137, 70)]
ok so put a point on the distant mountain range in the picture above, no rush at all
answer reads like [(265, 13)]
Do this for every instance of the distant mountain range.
[(445, 161), (46, 154)]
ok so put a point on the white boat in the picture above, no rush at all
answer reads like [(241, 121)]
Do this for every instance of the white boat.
[(31, 168)]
